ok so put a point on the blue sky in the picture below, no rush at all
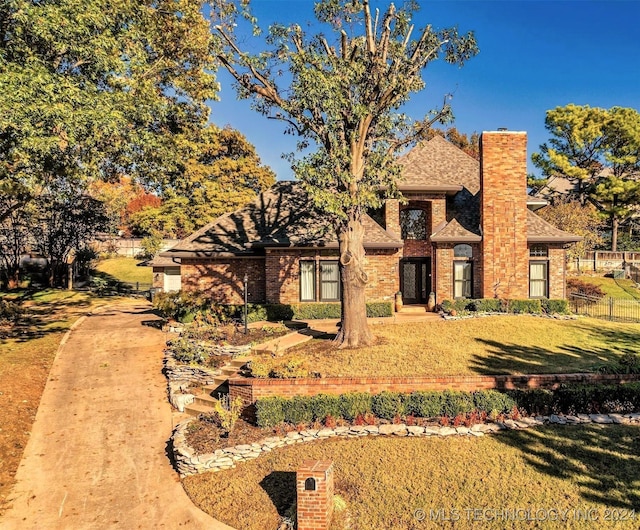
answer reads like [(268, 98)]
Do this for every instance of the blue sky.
[(534, 55)]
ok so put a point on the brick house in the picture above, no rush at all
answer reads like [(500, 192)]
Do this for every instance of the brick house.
[(465, 229)]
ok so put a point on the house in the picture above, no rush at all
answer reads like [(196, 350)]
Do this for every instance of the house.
[(464, 230)]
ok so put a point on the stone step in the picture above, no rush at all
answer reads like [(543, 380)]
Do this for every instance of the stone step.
[(214, 390), (205, 399), (239, 362), (195, 409), (229, 370)]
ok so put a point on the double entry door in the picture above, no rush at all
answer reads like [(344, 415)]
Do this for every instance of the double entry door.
[(415, 280)]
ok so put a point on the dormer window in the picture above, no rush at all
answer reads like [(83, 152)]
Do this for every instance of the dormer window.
[(413, 224)]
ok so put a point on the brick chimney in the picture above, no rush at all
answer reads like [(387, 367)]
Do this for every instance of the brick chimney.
[(503, 211)]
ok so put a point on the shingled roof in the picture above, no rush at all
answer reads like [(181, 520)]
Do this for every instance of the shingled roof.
[(540, 231), (282, 216), (438, 165)]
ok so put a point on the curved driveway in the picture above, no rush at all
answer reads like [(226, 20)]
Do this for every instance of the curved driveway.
[(96, 457)]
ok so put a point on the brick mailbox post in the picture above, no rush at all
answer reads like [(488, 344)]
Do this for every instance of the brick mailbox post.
[(314, 487)]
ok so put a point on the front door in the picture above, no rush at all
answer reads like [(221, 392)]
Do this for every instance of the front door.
[(415, 280)]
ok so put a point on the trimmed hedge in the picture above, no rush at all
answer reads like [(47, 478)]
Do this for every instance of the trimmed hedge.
[(273, 411), (496, 305), (579, 399), (567, 399), (307, 311)]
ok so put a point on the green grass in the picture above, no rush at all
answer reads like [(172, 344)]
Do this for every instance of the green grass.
[(491, 345), (125, 270), (384, 480), (624, 289)]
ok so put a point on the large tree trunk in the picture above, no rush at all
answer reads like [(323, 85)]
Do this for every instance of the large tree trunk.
[(354, 332), (614, 233)]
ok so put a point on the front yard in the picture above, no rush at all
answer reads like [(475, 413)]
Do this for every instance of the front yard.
[(514, 344), (577, 472)]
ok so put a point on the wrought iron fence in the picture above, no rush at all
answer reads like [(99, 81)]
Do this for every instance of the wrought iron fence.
[(615, 309)]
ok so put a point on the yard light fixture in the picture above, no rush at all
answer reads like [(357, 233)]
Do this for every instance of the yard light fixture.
[(246, 283)]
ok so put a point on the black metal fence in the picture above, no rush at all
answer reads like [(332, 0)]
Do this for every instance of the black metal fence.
[(615, 309)]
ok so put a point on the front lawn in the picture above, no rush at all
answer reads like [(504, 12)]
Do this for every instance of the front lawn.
[(623, 289), (127, 270), (491, 345), (589, 471)]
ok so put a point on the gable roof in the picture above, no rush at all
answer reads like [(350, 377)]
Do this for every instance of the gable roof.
[(282, 216), (540, 231), (438, 165)]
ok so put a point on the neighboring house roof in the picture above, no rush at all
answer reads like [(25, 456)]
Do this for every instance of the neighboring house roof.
[(438, 165), (540, 231), (161, 261), (282, 216)]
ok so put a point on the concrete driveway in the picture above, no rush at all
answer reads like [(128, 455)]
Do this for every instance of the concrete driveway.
[(96, 457)]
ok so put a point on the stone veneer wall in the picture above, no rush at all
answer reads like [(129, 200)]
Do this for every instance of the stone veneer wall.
[(503, 178), (250, 389), (222, 279)]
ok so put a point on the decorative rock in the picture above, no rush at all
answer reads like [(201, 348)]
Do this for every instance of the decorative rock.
[(431, 430), (325, 433), (415, 430), (600, 418), (476, 433), (391, 429), (618, 418), (447, 431), (462, 430)]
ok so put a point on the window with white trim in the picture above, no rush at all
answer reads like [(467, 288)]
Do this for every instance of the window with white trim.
[(329, 281), (538, 279), (462, 279), (307, 281)]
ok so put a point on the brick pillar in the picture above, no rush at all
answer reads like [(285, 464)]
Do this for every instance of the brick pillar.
[(503, 178), (314, 487), (392, 216)]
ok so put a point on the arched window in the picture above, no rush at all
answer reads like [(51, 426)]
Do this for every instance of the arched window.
[(413, 223), (462, 251)]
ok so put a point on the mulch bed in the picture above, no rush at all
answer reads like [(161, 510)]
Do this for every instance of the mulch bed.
[(204, 437)]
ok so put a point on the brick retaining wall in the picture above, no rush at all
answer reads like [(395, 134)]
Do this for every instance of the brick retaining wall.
[(250, 389)]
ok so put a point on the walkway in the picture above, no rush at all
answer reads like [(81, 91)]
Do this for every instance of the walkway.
[(96, 457)]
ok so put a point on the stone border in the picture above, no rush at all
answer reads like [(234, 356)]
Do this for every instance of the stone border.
[(189, 463)]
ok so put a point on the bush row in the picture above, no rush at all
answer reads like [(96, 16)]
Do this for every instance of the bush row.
[(579, 399), (273, 411), (567, 399), (183, 306), (496, 305)]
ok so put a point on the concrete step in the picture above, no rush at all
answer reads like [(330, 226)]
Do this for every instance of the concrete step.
[(214, 390), (229, 370), (413, 309)]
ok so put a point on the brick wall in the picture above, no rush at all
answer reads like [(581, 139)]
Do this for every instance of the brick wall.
[(252, 389), (223, 279), (504, 214), (443, 276), (392, 216), (283, 273), (314, 506)]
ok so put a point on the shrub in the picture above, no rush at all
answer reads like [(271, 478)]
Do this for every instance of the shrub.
[(293, 368), (454, 403), (492, 401), (486, 305), (575, 285), (298, 410), (354, 404), (270, 411), (629, 363), (424, 404), (555, 306), (189, 352), (525, 306), (379, 309), (10, 311), (324, 405), (387, 405), (446, 305), (226, 413), (536, 401)]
